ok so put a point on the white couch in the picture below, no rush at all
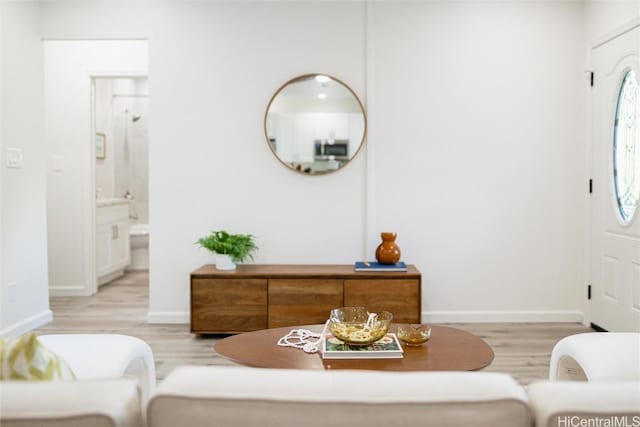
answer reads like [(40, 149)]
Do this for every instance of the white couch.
[(193, 396), (197, 396), (226, 396)]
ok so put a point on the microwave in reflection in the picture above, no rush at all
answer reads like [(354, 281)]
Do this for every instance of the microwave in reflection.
[(338, 149)]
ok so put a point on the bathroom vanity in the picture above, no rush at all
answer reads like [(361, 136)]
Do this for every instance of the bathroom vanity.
[(271, 296), (112, 239)]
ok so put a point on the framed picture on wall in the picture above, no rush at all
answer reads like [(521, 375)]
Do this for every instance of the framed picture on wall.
[(101, 145)]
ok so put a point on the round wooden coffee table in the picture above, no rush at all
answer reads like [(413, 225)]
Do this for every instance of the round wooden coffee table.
[(449, 349)]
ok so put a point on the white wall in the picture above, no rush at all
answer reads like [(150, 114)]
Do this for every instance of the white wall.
[(23, 248), (475, 156), (213, 72), (604, 16), (69, 66), (481, 170)]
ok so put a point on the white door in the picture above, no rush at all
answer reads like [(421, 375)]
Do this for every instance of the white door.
[(615, 221)]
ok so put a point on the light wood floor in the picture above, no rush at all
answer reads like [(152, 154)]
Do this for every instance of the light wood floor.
[(521, 349)]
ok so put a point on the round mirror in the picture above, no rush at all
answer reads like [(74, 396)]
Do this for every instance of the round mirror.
[(315, 124)]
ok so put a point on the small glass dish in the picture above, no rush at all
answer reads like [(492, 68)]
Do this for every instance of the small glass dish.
[(413, 335)]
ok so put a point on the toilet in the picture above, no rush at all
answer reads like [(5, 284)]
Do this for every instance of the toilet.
[(139, 244)]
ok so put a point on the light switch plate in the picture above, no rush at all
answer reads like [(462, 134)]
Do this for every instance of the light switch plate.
[(58, 163), (12, 291), (14, 157)]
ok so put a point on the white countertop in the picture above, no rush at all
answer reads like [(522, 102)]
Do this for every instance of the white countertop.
[(111, 202)]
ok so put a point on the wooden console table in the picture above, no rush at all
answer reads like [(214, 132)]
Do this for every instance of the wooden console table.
[(257, 297)]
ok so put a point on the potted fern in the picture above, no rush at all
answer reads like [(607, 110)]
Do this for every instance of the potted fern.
[(229, 248)]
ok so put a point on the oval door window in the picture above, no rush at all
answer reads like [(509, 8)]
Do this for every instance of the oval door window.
[(626, 147)]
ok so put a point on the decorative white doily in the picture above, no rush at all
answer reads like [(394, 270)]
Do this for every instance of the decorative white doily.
[(303, 339)]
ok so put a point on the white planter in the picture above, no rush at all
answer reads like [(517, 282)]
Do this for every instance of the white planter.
[(224, 262)]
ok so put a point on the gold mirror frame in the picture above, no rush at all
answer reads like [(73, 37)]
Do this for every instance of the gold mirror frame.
[(299, 169)]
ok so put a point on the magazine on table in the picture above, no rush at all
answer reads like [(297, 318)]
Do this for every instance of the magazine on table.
[(388, 347)]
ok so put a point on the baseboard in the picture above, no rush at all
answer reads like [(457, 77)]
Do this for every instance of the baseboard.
[(541, 316), (168, 317), (27, 324), (109, 277), (133, 268), (68, 291)]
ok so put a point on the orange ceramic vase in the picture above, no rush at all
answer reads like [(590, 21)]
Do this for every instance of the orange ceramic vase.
[(388, 252)]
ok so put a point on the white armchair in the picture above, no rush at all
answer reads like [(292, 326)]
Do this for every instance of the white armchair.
[(603, 373), (574, 403), (104, 356), (114, 376), (597, 356)]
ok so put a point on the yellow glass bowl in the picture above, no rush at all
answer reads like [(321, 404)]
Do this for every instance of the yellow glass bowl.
[(413, 335), (356, 326)]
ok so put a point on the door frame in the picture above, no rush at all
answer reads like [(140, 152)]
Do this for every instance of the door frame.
[(90, 231), (605, 38)]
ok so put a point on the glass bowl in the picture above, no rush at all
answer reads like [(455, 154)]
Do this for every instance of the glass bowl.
[(413, 335), (356, 326)]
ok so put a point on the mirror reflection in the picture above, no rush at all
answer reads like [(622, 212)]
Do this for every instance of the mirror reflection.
[(315, 124)]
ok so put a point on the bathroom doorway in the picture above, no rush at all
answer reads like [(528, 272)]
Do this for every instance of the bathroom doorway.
[(121, 168), (74, 146)]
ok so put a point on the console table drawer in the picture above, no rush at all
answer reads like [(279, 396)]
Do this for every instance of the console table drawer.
[(228, 305), (302, 301), (400, 297)]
